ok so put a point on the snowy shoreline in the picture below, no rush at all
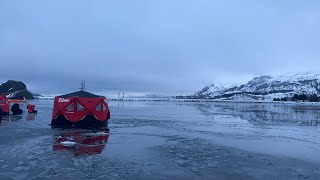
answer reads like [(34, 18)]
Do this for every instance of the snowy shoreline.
[(214, 101), (198, 100)]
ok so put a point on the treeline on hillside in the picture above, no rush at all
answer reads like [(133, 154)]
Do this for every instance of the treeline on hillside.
[(303, 97)]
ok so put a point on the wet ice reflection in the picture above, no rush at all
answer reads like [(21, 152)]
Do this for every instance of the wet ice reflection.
[(81, 142), (31, 116), (5, 119), (265, 113)]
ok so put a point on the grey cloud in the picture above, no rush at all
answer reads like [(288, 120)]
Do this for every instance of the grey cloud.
[(155, 46)]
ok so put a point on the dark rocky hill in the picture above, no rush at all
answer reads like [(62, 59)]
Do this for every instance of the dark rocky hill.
[(15, 90)]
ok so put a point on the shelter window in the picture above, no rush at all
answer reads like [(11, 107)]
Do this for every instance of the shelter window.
[(104, 107), (70, 107), (79, 107), (98, 108)]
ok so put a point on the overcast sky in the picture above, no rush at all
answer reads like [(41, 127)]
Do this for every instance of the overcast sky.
[(155, 46)]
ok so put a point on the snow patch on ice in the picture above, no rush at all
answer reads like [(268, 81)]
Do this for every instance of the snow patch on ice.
[(68, 143)]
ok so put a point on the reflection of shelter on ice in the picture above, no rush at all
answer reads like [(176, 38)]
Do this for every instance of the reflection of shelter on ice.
[(6, 119), (81, 143)]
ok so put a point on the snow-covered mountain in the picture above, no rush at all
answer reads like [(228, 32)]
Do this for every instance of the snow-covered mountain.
[(265, 88), (214, 90)]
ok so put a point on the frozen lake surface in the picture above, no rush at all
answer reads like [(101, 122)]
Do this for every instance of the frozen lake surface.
[(167, 140)]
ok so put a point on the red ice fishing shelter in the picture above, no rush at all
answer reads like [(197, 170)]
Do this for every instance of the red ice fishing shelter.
[(4, 104), (80, 109)]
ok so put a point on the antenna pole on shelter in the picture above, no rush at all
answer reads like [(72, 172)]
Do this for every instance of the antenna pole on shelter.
[(83, 86)]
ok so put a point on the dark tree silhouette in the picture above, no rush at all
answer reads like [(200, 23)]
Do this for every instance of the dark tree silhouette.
[(313, 98), (295, 97)]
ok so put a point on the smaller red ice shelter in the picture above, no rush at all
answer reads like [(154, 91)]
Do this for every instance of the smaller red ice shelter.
[(4, 104), (80, 109)]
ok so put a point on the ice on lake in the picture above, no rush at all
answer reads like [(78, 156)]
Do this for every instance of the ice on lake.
[(166, 140)]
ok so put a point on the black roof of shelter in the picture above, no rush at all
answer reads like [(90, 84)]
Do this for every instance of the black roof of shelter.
[(83, 94)]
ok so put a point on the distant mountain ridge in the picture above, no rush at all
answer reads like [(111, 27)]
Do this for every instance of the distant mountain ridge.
[(15, 90), (264, 88)]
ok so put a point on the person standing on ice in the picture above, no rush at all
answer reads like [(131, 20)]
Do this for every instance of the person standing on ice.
[(16, 109), (31, 108)]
